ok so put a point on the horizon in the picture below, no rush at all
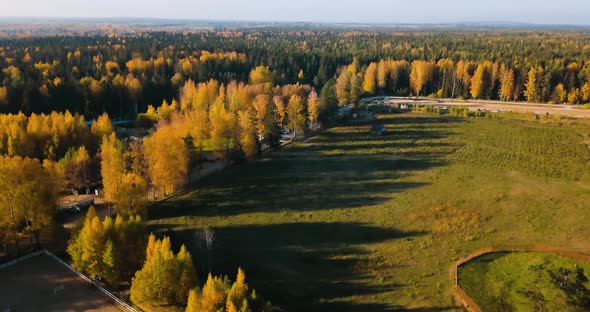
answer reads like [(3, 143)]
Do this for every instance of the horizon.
[(140, 19), (566, 12)]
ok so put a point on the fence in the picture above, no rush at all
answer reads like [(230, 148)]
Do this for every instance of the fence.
[(84, 277), (461, 296), (15, 261)]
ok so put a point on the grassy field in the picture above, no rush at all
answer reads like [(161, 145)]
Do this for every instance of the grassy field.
[(350, 222), (524, 282)]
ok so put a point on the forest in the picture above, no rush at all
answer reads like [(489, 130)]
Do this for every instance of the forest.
[(123, 74), (136, 115)]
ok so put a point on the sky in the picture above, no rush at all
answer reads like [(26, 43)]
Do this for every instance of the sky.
[(329, 11)]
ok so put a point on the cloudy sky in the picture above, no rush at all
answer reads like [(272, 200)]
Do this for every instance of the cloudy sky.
[(378, 11)]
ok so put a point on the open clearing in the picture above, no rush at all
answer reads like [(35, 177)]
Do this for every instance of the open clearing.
[(526, 281), (350, 222), (41, 283)]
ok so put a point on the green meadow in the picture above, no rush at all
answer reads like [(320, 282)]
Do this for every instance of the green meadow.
[(527, 281), (346, 221)]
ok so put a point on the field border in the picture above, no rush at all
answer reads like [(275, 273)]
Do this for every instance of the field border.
[(461, 296), (69, 267)]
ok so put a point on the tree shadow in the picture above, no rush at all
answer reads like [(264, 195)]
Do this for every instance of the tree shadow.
[(311, 266), (336, 169), (300, 266), (376, 307), (298, 188)]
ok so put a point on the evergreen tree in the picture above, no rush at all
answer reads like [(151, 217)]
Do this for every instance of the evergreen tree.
[(110, 271), (356, 90), (328, 100)]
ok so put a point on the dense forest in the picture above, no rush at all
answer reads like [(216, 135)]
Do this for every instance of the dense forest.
[(47, 156), (123, 74)]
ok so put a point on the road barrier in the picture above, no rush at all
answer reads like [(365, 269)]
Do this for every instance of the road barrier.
[(461, 296)]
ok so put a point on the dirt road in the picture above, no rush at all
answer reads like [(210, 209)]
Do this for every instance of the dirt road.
[(493, 106)]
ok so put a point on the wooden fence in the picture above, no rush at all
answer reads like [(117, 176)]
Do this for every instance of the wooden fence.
[(461, 296)]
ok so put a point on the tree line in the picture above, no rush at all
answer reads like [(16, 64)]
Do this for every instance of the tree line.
[(466, 80), (46, 154), (235, 121), (123, 74)]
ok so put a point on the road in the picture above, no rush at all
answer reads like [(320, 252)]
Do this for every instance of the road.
[(69, 220), (494, 106)]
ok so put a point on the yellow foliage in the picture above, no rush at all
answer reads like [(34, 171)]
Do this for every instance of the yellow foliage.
[(102, 126), (261, 74), (213, 295), (301, 75), (531, 89), (134, 86), (3, 95), (313, 107), (28, 197), (421, 74), (111, 67), (167, 158), (130, 197), (248, 140), (370, 80), (112, 166)]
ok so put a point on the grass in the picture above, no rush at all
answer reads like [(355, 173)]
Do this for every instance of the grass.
[(521, 281), (350, 222)]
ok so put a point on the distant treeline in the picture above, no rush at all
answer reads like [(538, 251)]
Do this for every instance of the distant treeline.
[(122, 75), (467, 80)]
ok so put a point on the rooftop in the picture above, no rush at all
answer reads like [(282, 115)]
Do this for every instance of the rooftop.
[(42, 282)]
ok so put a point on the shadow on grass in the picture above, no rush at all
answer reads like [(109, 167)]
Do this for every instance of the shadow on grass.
[(305, 265), (291, 185), (337, 169), (300, 266), (361, 307), (360, 134)]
